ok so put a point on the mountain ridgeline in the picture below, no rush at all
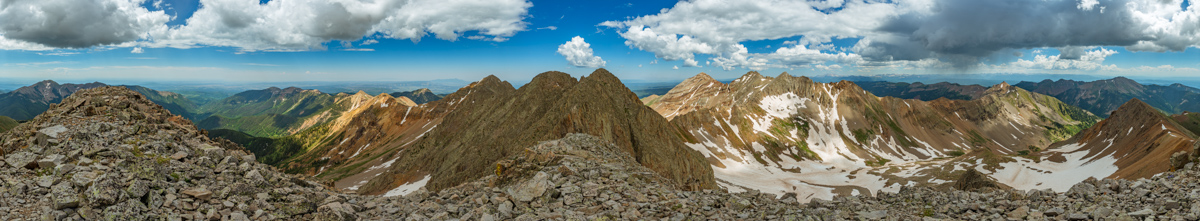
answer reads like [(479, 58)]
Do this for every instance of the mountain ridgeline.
[(419, 96), (494, 121), (29, 101), (782, 135), (1105, 96)]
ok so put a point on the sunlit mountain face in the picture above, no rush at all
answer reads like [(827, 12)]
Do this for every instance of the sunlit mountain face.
[(627, 110)]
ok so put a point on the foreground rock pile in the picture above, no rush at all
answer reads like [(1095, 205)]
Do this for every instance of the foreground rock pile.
[(579, 177), (108, 154)]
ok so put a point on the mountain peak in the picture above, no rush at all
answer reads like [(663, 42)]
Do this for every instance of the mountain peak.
[(46, 82), (603, 75), (700, 77), (752, 75), (1134, 106), (550, 80), (1001, 88), (491, 81)]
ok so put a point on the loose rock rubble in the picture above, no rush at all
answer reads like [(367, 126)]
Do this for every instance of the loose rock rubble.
[(578, 177), (119, 157), (108, 153)]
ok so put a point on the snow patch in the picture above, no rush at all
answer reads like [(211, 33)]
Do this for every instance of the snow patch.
[(1025, 174), (405, 189), (359, 150), (783, 105), (405, 115)]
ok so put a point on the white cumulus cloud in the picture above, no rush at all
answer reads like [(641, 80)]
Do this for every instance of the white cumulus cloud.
[(137, 50), (579, 53), (308, 24), (718, 28), (288, 25), (77, 24)]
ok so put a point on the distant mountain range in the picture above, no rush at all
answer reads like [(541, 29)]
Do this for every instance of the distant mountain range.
[(1104, 96), (26, 102), (1099, 97), (925, 92), (419, 96), (261, 113)]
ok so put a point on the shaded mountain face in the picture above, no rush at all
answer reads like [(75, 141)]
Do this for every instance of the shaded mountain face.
[(920, 91), (26, 102), (792, 135), (500, 121), (1104, 96), (460, 137), (1136, 141), (419, 96)]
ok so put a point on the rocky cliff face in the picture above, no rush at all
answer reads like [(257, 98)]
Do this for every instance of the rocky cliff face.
[(790, 135), (502, 121)]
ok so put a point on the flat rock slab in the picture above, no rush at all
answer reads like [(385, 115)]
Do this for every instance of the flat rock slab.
[(53, 131), (22, 159), (531, 189), (198, 193)]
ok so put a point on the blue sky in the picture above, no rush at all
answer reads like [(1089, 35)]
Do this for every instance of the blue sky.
[(350, 40)]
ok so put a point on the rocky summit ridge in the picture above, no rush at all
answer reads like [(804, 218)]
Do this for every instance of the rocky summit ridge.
[(503, 121)]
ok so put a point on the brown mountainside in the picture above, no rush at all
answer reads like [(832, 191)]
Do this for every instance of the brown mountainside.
[(1141, 139), (469, 140)]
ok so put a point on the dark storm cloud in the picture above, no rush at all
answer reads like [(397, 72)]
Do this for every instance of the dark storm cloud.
[(979, 28)]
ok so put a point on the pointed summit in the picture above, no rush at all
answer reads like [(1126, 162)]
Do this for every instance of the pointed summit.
[(1001, 88), (46, 82), (1135, 107), (602, 75), (701, 77), (752, 75), (491, 82), (783, 75)]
